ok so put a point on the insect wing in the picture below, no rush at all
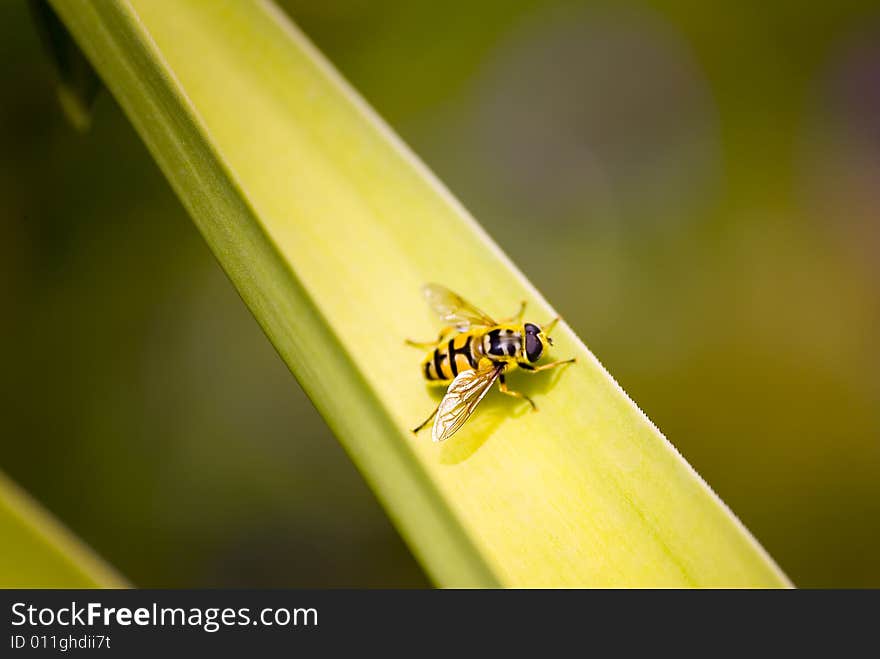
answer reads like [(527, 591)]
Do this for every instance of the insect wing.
[(454, 309), (461, 399)]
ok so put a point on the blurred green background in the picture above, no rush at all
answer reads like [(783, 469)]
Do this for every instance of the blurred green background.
[(694, 186)]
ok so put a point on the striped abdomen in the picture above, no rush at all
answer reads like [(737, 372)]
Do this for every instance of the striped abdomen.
[(460, 353)]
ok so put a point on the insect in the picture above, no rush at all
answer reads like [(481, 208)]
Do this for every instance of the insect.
[(474, 351)]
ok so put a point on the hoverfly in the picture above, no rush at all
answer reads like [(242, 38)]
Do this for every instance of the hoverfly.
[(472, 352)]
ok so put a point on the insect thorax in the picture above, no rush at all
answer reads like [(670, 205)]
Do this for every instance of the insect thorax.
[(502, 343)]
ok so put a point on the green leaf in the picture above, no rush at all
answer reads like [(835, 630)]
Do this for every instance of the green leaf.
[(78, 82), (328, 226), (37, 552)]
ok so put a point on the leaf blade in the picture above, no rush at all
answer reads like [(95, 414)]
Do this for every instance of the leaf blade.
[(320, 216), (38, 552)]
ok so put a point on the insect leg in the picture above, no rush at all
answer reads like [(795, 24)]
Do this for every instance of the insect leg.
[(549, 326), (528, 368), (421, 344), (426, 421), (502, 385), (518, 315), (444, 333)]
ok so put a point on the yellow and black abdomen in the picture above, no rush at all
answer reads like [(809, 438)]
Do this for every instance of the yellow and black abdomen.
[(459, 353)]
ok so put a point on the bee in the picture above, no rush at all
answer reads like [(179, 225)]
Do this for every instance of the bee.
[(474, 351)]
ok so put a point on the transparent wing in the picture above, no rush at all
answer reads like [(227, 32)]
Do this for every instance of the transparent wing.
[(461, 399), (453, 308)]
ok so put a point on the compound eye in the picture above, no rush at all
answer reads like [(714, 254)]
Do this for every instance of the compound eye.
[(534, 347), (531, 328)]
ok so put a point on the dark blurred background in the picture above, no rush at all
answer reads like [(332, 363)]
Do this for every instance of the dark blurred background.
[(706, 179)]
